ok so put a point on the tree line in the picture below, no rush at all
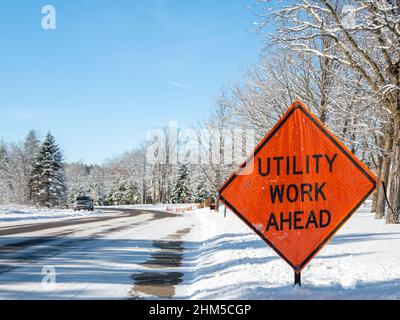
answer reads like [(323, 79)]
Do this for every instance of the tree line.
[(128, 180), (34, 173)]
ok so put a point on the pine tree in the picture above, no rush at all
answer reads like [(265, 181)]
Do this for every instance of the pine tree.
[(31, 145), (181, 192), (47, 183), (74, 192), (97, 192), (31, 148), (201, 192), (131, 195)]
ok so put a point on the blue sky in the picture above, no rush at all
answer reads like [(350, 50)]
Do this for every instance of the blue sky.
[(114, 69)]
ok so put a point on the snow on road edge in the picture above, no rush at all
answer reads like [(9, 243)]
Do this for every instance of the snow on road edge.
[(17, 213)]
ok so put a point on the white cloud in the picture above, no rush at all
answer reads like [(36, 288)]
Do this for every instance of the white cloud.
[(18, 116), (176, 84)]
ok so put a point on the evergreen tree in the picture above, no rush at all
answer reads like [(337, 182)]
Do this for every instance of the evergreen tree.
[(74, 192), (118, 194), (31, 148), (181, 192), (201, 192), (97, 192), (122, 193), (47, 183)]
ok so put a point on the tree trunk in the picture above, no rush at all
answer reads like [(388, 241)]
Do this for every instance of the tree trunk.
[(375, 194), (384, 176), (393, 216), (379, 173), (217, 204)]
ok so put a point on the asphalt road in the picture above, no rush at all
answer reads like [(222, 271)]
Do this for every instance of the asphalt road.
[(43, 243)]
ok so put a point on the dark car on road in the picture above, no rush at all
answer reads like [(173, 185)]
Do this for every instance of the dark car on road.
[(84, 203)]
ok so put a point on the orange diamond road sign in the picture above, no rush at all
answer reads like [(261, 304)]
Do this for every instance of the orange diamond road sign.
[(302, 185)]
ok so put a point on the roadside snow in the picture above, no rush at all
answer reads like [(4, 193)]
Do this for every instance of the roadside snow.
[(230, 262), (17, 213), (159, 207)]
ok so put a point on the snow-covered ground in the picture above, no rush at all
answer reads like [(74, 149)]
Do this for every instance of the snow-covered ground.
[(222, 259), (14, 214), (361, 262), (160, 207)]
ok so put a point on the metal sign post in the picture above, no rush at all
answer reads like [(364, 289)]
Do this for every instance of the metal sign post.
[(297, 279)]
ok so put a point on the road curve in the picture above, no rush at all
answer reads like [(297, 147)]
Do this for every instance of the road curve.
[(143, 239)]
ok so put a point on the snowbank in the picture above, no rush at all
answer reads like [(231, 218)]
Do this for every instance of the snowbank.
[(17, 213), (159, 207)]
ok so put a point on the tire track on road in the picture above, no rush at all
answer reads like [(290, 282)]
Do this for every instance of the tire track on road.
[(16, 252)]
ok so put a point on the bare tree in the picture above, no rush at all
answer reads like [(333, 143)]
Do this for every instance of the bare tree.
[(370, 47), (218, 160)]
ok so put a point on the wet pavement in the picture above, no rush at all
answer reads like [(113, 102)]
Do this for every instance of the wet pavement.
[(162, 284)]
